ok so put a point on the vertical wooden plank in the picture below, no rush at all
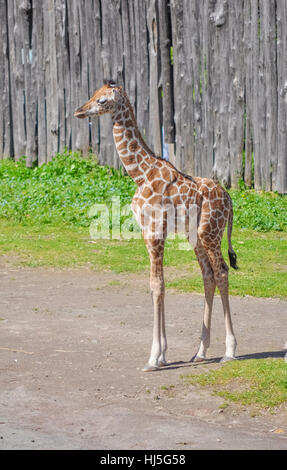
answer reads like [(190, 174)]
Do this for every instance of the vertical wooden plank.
[(236, 105), (74, 57), (269, 47), (27, 39), (95, 77), (84, 136), (248, 92), (17, 79), (3, 52), (179, 74), (219, 17), (106, 143), (248, 151), (154, 71), (116, 55), (260, 160), (208, 107), (280, 173), (78, 73), (116, 42), (6, 143), (142, 67), (108, 154), (38, 56), (195, 87), (51, 80), (129, 54), (106, 24), (256, 118), (62, 61), (166, 71)]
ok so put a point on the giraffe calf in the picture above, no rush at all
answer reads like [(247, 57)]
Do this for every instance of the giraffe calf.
[(161, 185)]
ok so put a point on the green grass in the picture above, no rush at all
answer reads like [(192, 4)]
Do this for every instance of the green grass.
[(261, 257), (262, 261), (45, 215), (260, 382)]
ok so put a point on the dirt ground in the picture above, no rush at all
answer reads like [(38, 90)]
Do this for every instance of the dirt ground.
[(72, 345)]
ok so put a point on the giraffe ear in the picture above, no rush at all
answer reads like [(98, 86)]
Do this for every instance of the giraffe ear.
[(116, 94)]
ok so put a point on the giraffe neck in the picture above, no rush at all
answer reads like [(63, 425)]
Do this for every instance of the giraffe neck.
[(134, 154)]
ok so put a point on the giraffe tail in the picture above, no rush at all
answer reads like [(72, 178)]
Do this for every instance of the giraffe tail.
[(231, 252)]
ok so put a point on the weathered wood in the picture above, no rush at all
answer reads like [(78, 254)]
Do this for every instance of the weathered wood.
[(17, 79), (50, 58), (224, 92), (108, 154), (166, 74), (205, 167), (219, 18), (129, 56), (255, 39), (40, 88), (78, 79), (237, 85), (154, 132), (248, 93), (142, 67), (95, 77), (176, 8), (6, 143), (195, 88), (28, 44), (269, 48), (62, 62), (280, 181)]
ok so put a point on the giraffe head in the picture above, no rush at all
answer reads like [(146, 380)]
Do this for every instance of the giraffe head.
[(105, 100)]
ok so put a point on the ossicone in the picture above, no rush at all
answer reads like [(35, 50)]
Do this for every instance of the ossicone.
[(110, 82)]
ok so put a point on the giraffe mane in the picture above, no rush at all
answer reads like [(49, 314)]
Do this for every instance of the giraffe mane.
[(146, 147), (132, 115)]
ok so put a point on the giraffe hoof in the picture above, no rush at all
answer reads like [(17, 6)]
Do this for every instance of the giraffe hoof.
[(150, 368), (228, 359), (197, 358), (162, 363)]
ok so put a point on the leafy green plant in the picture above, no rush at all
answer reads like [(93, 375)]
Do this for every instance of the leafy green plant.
[(64, 190), (61, 191), (258, 210)]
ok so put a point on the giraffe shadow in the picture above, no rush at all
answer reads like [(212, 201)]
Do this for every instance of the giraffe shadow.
[(258, 355), (264, 355)]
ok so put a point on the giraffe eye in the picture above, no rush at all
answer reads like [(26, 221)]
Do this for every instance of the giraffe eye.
[(102, 100)]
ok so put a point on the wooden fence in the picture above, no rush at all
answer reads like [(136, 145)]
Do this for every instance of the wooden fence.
[(211, 75)]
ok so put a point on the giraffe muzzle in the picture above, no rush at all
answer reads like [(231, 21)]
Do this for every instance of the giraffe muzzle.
[(80, 113)]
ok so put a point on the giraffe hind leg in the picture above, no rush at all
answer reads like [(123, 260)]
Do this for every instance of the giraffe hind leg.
[(209, 288), (220, 270)]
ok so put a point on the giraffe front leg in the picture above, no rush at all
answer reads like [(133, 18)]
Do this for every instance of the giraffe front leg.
[(158, 349), (163, 341), (159, 342)]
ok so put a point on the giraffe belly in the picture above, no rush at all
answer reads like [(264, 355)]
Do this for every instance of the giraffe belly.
[(158, 221)]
